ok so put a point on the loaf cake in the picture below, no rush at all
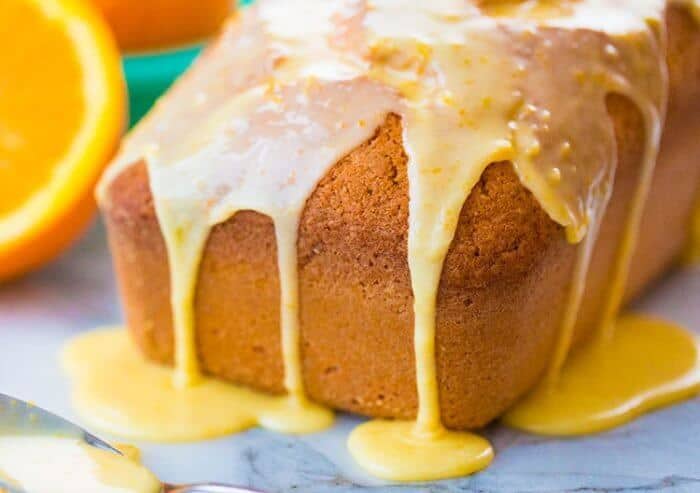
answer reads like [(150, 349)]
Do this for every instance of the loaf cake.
[(590, 99)]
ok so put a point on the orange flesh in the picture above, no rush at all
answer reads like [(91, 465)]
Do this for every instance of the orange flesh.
[(62, 111), (26, 100)]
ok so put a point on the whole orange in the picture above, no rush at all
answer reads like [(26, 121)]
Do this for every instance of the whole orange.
[(153, 24)]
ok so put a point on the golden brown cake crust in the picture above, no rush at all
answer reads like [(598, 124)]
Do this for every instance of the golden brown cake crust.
[(502, 290)]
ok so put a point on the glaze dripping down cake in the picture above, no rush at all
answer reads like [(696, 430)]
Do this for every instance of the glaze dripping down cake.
[(407, 209)]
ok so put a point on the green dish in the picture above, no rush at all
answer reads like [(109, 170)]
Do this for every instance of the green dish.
[(149, 75)]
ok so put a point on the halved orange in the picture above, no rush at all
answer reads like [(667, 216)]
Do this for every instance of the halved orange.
[(62, 111), (151, 24)]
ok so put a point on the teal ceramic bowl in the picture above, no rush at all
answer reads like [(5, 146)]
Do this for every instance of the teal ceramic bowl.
[(148, 75)]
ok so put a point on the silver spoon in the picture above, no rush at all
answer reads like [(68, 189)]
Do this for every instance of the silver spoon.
[(18, 417)]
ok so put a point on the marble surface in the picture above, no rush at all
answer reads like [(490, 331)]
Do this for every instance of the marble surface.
[(659, 452)]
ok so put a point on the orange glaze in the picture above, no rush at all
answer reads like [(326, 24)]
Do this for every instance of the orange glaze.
[(645, 363)]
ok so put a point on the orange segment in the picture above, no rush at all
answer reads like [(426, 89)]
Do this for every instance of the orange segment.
[(22, 162), (150, 24), (62, 110)]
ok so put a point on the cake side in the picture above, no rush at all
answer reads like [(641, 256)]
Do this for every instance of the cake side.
[(678, 170), (503, 281)]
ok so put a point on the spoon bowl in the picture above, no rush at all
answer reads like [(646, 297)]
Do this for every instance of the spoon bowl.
[(18, 417)]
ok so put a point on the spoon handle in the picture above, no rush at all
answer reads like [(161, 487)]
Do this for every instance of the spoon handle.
[(24, 418), (206, 488)]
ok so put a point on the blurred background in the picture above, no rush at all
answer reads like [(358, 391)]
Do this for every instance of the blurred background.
[(152, 59)]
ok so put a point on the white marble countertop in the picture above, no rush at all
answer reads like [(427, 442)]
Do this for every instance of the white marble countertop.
[(659, 452)]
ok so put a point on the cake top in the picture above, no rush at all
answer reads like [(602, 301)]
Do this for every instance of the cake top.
[(292, 86)]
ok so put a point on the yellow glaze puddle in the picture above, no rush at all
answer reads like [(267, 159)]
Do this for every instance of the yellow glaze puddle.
[(394, 450), (116, 390), (132, 452), (70, 466), (646, 364)]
